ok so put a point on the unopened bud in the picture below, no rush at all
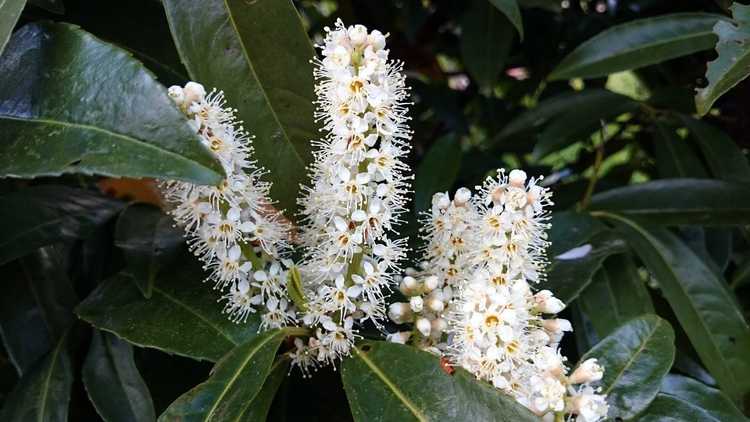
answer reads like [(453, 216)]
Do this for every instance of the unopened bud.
[(176, 94), (547, 303), (517, 178), (435, 305), (439, 326), (463, 195), (399, 312), (424, 326), (400, 337), (416, 303), (430, 283), (408, 285), (588, 371), (194, 92)]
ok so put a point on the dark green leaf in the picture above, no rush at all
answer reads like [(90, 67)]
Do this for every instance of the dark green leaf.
[(150, 242), (113, 382), (579, 123), (486, 38), (378, 390), (639, 43), (258, 53), (682, 398), (44, 393), (741, 275), (182, 316), (635, 357), (257, 411), (70, 103), (569, 229), (568, 274), (674, 156), (590, 99), (42, 215), (38, 308), (724, 157), (700, 300), (234, 382), (616, 295), (10, 11), (511, 11), (437, 172), (679, 201), (731, 66)]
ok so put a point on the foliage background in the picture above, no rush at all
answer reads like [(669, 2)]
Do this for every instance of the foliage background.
[(483, 98)]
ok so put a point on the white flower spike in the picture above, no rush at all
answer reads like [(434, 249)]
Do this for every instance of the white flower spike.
[(232, 227), (357, 190)]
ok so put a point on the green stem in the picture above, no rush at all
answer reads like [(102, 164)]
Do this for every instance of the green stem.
[(353, 268)]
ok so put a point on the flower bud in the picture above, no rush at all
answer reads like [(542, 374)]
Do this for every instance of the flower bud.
[(399, 312), (463, 195), (547, 303), (416, 303), (408, 285), (400, 337), (176, 94), (194, 92), (588, 406), (439, 326), (376, 39), (435, 304), (424, 326), (441, 200), (556, 325), (517, 178), (357, 35), (588, 371), (430, 283)]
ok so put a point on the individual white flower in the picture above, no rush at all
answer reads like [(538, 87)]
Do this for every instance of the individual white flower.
[(588, 371), (588, 405), (232, 227), (357, 189)]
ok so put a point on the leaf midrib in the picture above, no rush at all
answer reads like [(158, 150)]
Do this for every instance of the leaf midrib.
[(633, 357), (48, 377), (251, 353), (199, 316), (261, 87), (693, 307), (127, 138), (391, 386)]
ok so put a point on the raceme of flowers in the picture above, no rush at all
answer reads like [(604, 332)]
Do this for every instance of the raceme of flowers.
[(473, 302), (232, 227), (357, 189)]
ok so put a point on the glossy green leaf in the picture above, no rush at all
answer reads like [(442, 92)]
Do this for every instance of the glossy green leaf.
[(70, 103), (182, 316), (639, 43), (257, 411), (569, 229), (234, 382), (548, 108), (724, 157), (577, 124), (731, 65), (10, 11), (150, 243), (679, 201), (38, 307), (44, 393), (113, 382), (569, 273), (683, 398), (486, 38), (741, 275), (437, 171), (701, 301), (377, 389), (674, 156), (258, 53), (510, 9), (42, 215), (636, 357), (616, 295)]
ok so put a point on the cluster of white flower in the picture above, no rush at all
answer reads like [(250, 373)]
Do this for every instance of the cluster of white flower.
[(232, 227), (358, 187), (449, 240), (496, 323)]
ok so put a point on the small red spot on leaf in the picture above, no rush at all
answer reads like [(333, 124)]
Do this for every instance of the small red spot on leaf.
[(446, 366)]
